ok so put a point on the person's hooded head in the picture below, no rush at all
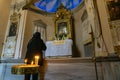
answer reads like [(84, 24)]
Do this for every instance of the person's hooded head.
[(37, 34)]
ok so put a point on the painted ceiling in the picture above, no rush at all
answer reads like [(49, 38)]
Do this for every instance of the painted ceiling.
[(52, 5)]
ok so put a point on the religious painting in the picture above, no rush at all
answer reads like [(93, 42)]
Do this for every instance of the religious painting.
[(114, 9), (62, 28), (13, 29)]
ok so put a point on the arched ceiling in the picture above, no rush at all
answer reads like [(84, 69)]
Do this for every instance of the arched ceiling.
[(49, 7), (52, 5)]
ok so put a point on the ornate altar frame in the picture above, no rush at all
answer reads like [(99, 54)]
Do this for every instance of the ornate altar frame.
[(113, 9), (11, 38), (63, 21)]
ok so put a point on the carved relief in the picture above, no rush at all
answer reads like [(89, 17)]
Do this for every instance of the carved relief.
[(12, 47), (10, 44), (9, 47), (113, 9), (15, 17), (115, 32), (17, 6)]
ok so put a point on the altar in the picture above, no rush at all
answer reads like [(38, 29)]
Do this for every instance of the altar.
[(59, 48)]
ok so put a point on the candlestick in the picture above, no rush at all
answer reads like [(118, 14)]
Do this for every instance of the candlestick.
[(36, 60)]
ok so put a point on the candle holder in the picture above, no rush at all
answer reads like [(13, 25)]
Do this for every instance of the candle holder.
[(36, 60)]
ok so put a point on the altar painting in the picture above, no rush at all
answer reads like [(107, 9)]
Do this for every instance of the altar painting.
[(13, 29), (62, 28), (114, 9)]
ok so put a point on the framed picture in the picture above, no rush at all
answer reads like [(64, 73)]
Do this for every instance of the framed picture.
[(114, 9), (63, 22), (63, 27), (13, 29)]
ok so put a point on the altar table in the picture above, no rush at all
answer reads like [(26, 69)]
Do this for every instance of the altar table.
[(58, 48)]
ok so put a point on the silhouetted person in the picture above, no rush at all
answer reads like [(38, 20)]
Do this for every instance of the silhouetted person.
[(35, 46)]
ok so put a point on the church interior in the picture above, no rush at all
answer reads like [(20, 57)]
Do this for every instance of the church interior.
[(82, 38)]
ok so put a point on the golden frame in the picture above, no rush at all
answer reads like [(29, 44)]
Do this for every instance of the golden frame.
[(63, 22)]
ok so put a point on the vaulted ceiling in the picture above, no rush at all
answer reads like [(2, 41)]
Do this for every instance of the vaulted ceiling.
[(52, 5), (49, 7)]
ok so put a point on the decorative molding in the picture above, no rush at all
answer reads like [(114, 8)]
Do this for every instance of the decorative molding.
[(18, 5), (116, 22), (115, 31), (39, 23), (117, 49), (15, 17), (40, 26)]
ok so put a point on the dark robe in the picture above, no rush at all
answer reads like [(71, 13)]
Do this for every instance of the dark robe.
[(35, 46)]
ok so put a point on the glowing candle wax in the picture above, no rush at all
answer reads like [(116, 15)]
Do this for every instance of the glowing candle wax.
[(32, 62), (36, 60)]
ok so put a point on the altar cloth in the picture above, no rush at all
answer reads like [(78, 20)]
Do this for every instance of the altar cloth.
[(59, 48)]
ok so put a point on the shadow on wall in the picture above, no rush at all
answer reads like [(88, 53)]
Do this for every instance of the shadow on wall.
[(75, 51)]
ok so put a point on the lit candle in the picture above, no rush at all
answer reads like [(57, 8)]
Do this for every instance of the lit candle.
[(32, 63), (36, 60), (25, 61)]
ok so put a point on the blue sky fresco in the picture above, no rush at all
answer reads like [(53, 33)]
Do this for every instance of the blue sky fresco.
[(52, 5)]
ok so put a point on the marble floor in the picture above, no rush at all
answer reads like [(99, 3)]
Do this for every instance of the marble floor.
[(73, 71)]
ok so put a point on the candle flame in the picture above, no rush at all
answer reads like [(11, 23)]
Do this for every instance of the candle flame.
[(36, 57)]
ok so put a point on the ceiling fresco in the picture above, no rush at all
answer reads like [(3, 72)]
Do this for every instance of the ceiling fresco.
[(52, 5)]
